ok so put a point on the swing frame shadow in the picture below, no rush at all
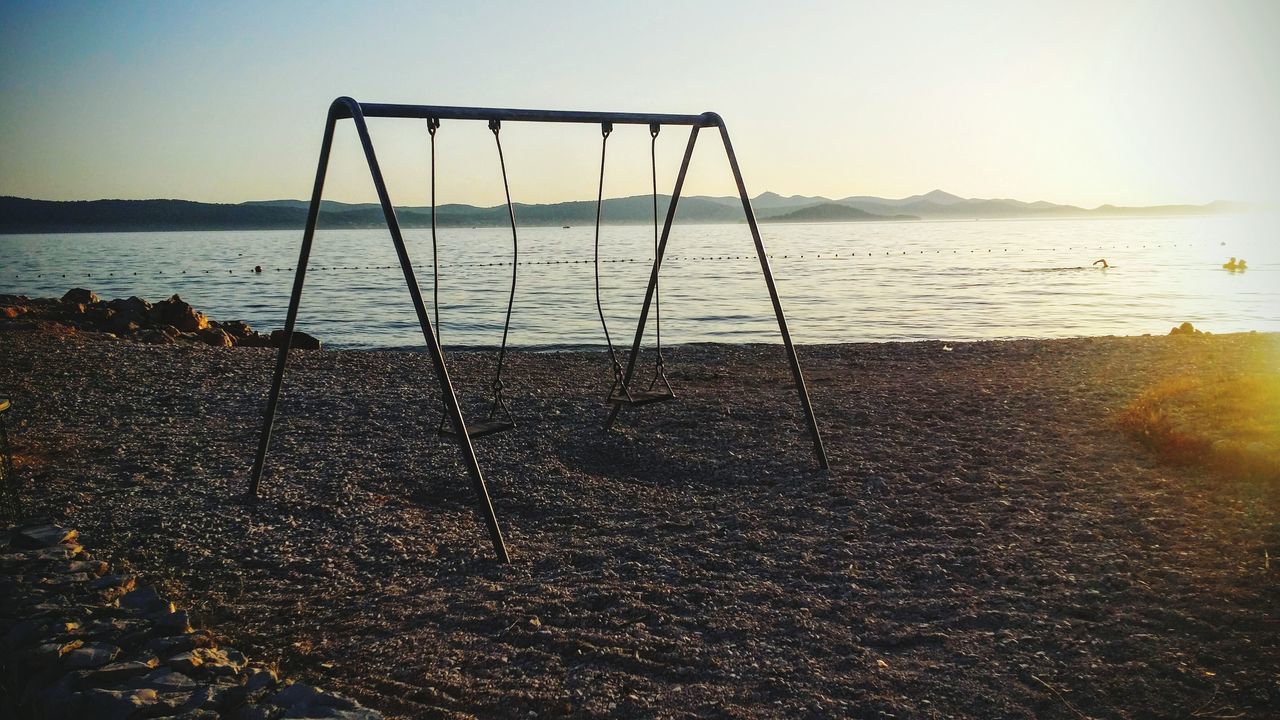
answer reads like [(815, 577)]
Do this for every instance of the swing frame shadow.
[(347, 108)]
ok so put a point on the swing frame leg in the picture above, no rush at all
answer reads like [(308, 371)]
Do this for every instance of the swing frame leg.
[(343, 108), (801, 389)]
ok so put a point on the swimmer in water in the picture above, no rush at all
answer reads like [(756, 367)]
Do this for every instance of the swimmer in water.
[(1104, 263)]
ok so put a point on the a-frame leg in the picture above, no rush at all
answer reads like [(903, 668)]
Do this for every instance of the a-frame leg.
[(801, 389), (346, 107), (295, 298), (818, 448)]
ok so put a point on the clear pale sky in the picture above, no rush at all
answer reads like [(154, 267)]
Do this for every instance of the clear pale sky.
[(1078, 102)]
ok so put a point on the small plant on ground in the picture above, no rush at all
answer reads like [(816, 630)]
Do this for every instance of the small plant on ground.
[(1229, 423)]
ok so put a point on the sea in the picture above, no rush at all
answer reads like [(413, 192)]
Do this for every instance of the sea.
[(838, 282)]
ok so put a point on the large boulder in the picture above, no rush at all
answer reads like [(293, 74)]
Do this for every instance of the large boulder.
[(123, 324), (254, 339), (179, 314), (13, 306), (134, 310), (237, 329), (300, 341), (157, 336), (80, 295), (38, 537), (100, 315), (216, 337)]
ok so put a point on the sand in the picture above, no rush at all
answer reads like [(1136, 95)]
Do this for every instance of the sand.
[(986, 544)]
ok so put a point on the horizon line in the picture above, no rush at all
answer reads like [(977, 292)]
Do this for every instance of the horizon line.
[(819, 198)]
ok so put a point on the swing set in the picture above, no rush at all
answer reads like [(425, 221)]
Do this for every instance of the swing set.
[(625, 390)]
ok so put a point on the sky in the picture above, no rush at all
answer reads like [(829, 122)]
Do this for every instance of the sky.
[(1123, 102)]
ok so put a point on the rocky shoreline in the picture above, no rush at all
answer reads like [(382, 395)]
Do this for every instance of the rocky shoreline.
[(986, 543), (162, 323), (80, 642)]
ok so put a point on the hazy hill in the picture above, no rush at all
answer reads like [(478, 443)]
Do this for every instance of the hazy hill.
[(832, 212), (936, 198), (20, 215), (769, 201)]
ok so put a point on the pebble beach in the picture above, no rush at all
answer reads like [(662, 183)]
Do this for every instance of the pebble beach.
[(985, 543)]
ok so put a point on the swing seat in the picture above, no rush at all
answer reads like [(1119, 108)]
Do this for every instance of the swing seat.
[(642, 397), (480, 428)]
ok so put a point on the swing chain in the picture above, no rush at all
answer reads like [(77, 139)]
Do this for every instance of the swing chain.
[(433, 124), (495, 125), (498, 386), (606, 128), (660, 363)]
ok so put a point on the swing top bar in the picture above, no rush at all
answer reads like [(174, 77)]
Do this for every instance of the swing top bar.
[(343, 108)]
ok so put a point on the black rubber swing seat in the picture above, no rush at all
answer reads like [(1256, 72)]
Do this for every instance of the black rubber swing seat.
[(481, 428), (642, 397)]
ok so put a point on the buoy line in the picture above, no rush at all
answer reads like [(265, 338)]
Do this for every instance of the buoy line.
[(258, 270)]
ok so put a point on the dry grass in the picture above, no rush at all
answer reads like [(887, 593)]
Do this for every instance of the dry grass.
[(1229, 423)]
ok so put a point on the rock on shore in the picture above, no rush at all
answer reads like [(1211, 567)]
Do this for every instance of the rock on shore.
[(77, 641), (163, 323)]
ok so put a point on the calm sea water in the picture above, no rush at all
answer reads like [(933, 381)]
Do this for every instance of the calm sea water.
[(839, 282)]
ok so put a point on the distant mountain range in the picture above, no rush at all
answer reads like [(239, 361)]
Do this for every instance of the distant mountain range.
[(20, 215)]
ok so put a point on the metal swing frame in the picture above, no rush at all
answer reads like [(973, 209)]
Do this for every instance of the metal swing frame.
[(345, 108)]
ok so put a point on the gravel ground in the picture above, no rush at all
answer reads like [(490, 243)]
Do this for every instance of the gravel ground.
[(985, 544)]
